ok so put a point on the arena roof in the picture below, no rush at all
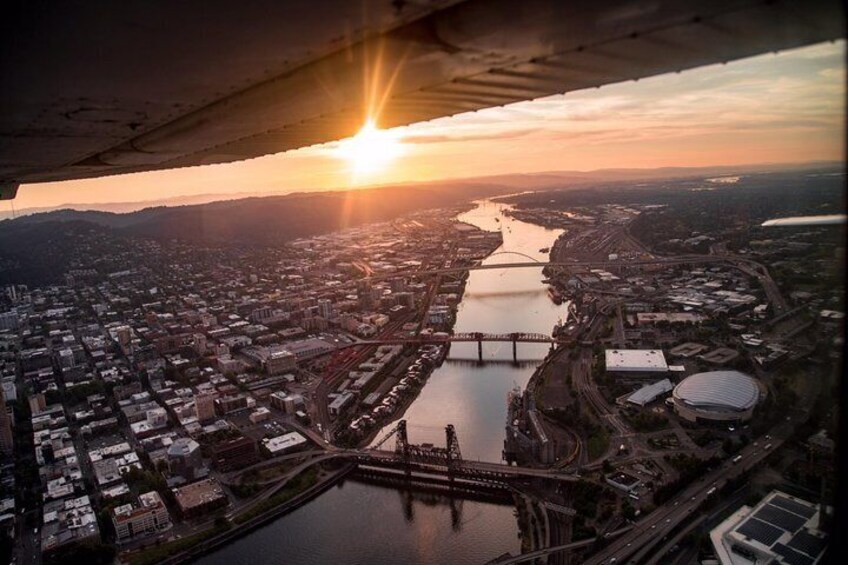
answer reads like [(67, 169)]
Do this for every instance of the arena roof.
[(719, 390)]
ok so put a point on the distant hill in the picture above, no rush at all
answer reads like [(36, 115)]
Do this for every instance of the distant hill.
[(35, 249), (266, 220), (518, 181)]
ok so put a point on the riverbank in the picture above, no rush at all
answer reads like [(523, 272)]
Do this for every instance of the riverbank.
[(172, 553), (405, 404)]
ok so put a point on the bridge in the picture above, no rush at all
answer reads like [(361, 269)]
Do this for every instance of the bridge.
[(479, 337), (747, 266), (445, 462), (597, 264)]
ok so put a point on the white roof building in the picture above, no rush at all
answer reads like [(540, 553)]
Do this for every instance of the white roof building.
[(651, 392), (283, 443), (636, 360)]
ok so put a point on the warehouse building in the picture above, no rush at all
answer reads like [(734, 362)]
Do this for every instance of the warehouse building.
[(651, 392)]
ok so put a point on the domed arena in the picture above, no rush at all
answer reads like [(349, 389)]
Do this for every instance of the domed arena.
[(716, 396)]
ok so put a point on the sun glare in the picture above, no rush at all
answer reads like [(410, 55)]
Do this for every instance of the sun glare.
[(371, 150)]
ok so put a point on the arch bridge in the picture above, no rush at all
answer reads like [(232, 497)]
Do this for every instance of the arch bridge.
[(599, 264)]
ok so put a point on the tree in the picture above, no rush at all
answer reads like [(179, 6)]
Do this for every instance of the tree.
[(627, 510), (90, 553)]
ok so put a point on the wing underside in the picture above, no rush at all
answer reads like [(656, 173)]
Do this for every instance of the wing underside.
[(90, 90)]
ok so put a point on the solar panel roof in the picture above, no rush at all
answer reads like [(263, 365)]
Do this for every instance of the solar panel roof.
[(780, 518), (793, 506), (808, 543), (791, 556), (760, 531)]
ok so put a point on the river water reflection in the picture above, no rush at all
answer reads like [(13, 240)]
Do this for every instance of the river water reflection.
[(363, 523)]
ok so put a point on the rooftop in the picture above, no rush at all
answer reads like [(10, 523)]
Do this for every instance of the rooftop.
[(636, 360), (780, 529), (724, 390), (199, 493)]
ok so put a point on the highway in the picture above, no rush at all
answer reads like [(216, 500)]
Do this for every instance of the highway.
[(529, 556), (649, 531)]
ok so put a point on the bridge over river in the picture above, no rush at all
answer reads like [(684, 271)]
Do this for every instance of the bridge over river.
[(596, 264), (445, 462), (480, 337)]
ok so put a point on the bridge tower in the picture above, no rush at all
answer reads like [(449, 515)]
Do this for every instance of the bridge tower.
[(454, 456), (402, 441), (514, 337), (479, 337)]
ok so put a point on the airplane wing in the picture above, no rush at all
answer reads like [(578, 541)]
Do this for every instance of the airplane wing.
[(810, 221), (94, 88)]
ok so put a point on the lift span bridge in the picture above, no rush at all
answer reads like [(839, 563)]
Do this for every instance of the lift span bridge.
[(445, 462)]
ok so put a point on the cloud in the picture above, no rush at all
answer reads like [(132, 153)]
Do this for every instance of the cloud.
[(451, 138)]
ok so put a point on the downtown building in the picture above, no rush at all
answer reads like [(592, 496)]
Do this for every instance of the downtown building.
[(149, 516), (780, 529)]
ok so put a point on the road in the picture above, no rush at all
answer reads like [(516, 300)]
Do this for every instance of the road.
[(531, 555), (653, 528), (28, 543)]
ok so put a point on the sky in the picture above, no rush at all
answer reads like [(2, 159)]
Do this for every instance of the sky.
[(776, 108)]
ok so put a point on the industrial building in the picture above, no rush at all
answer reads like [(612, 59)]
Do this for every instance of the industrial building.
[(780, 529), (716, 396)]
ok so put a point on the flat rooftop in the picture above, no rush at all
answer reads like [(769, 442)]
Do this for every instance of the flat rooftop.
[(636, 360), (780, 529), (199, 493)]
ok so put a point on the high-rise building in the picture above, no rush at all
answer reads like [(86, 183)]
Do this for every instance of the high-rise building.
[(7, 441), (398, 285), (204, 406), (184, 458), (37, 403), (199, 343), (325, 308), (366, 295)]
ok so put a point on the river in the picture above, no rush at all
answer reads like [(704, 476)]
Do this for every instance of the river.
[(357, 523)]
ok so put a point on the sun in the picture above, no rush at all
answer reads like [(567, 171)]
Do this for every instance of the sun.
[(371, 150)]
